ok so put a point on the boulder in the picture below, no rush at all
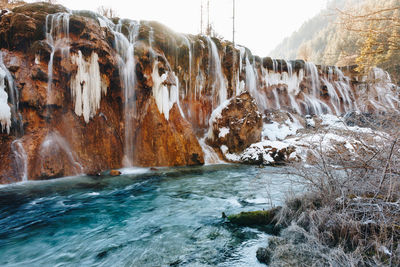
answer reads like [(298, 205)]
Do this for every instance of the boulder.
[(115, 173), (235, 124), (252, 218)]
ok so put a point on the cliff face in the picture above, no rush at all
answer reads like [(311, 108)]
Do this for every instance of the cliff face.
[(86, 94)]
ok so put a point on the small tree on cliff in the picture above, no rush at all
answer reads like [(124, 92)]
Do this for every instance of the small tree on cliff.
[(107, 12), (304, 52)]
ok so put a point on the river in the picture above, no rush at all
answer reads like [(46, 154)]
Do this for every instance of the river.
[(163, 217)]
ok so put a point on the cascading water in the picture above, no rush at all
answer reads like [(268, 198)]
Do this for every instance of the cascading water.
[(344, 88), (7, 115), (290, 85), (57, 37), (20, 159), (380, 92), (334, 98), (215, 70), (125, 47), (251, 81), (273, 78), (188, 43), (314, 104), (54, 145), (210, 156)]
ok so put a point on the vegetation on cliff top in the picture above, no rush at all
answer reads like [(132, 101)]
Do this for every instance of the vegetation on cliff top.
[(349, 32)]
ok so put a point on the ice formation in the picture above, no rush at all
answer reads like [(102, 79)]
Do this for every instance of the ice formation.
[(87, 85), (5, 111), (165, 97)]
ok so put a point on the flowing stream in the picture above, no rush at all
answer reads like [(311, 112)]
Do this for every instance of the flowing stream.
[(164, 217)]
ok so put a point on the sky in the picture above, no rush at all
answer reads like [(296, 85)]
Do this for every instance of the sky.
[(260, 24)]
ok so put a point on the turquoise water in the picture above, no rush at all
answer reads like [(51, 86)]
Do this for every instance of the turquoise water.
[(167, 217)]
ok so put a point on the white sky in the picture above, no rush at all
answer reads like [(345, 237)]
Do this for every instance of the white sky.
[(260, 24)]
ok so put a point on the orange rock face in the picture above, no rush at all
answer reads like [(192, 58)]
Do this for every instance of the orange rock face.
[(55, 140), (166, 143)]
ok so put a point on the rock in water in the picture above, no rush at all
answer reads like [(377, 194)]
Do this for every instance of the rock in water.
[(263, 255), (236, 124), (115, 173), (253, 218)]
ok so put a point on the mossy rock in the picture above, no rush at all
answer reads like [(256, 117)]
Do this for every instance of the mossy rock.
[(255, 218)]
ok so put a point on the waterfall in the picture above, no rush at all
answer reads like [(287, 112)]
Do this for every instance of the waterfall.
[(21, 159), (313, 101), (57, 37), (251, 83), (218, 86), (344, 88), (210, 156), (125, 48), (190, 64), (334, 98), (380, 91), (312, 73), (53, 145), (292, 80)]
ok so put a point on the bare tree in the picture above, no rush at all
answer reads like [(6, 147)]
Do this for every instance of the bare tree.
[(304, 52), (107, 12)]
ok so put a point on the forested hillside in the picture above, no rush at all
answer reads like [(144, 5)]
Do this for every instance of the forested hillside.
[(348, 32)]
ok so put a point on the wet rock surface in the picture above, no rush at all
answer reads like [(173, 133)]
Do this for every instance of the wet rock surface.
[(56, 141)]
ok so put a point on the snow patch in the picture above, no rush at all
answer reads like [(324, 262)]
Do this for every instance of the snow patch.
[(335, 122), (216, 114), (223, 132), (229, 156), (275, 131)]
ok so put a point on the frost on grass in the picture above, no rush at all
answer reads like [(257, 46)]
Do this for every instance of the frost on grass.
[(349, 214)]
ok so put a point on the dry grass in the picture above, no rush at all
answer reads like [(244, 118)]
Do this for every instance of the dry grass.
[(353, 206)]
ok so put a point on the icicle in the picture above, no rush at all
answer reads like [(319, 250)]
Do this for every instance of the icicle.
[(87, 86), (5, 111), (165, 97)]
